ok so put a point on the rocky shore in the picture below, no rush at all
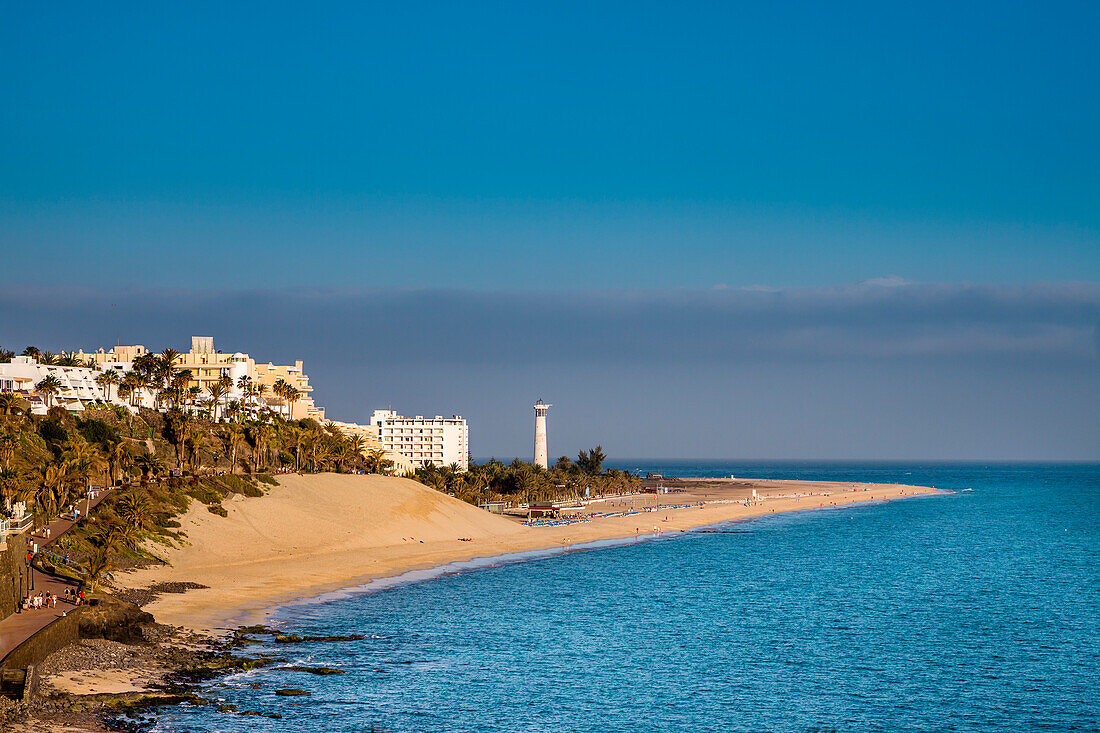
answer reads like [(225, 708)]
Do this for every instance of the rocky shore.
[(131, 667)]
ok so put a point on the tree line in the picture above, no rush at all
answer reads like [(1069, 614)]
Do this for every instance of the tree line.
[(520, 481)]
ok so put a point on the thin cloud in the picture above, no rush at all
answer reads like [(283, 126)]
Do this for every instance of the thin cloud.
[(877, 319)]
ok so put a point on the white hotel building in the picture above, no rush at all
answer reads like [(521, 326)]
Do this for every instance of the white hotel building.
[(423, 440), (77, 384)]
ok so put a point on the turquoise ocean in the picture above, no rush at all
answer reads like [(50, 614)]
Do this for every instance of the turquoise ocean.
[(977, 610)]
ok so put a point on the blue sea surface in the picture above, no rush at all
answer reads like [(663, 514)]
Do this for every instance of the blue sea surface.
[(970, 611)]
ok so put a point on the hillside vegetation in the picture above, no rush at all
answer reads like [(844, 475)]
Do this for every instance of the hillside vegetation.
[(160, 462)]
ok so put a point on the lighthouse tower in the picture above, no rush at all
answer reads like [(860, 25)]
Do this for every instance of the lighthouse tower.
[(540, 434)]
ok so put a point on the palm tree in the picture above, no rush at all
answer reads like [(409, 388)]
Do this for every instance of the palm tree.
[(132, 384), (150, 465), (316, 436), (591, 462), (294, 435), (8, 444), (95, 567), (179, 426), (54, 476), (119, 458), (356, 443), (377, 462), (291, 395), (84, 458), (48, 387), (146, 364), (195, 444), (6, 355), (217, 390), (161, 367), (259, 390), (177, 386), (12, 403), (261, 434), (280, 389), (226, 381), (477, 478), (105, 380), (32, 352), (10, 478), (233, 434), (133, 507)]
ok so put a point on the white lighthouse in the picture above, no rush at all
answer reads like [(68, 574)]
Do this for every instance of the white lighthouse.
[(540, 434)]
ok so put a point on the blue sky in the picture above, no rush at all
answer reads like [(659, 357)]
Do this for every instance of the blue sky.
[(486, 145), (600, 153)]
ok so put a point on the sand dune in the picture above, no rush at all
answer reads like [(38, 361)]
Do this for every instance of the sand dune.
[(316, 533)]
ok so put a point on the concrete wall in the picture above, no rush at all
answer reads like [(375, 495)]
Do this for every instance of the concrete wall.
[(61, 632)]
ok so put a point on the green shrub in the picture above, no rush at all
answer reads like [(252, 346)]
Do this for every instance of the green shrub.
[(217, 509), (264, 478), (53, 432), (205, 494), (250, 490), (236, 483), (97, 431)]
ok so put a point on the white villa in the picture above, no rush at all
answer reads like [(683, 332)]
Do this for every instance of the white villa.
[(78, 385)]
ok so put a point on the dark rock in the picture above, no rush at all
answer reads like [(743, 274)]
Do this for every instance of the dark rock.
[(144, 596), (314, 670), (291, 692), (115, 620), (257, 629), (296, 639)]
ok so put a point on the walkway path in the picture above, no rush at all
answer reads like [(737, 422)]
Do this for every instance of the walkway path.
[(18, 627)]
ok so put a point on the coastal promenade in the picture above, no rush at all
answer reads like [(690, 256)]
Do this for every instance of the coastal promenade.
[(20, 626)]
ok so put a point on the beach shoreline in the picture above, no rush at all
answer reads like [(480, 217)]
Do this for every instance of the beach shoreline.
[(317, 535)]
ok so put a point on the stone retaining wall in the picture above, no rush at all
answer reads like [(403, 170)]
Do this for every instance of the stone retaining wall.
[(58, 633)]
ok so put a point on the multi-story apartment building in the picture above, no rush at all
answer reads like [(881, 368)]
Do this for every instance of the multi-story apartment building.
[(270, 373), (78, 385), (372, 440), (207, 365), (433, 440)]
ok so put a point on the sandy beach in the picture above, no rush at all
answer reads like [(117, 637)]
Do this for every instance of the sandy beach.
[(318, 533)]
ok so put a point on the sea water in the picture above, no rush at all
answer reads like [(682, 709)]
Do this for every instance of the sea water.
[(970, 611)]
